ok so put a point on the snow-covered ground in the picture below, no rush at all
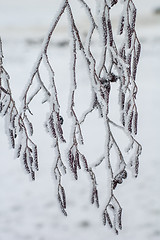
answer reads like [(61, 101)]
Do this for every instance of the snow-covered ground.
[(29, 210)]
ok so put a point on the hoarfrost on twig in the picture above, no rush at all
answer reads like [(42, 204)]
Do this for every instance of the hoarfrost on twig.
[(117, 65)]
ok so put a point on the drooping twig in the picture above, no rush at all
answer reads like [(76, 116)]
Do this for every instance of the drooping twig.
[(18, 129), (117, 64)]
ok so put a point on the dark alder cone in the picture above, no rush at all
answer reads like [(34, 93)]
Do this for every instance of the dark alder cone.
[(106, 84), (103, 80), (113, 2), (124, 174), (61, 120), (114, 183), (119, 179), (113, 78)]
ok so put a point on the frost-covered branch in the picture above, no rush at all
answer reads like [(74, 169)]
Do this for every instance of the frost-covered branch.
[(116, 65), (18, 129), (54, 119)]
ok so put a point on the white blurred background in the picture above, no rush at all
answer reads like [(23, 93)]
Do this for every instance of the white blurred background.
[(29, 210)]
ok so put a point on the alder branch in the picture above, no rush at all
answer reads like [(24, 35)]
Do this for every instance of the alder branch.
[(16, 129), (117, 65)]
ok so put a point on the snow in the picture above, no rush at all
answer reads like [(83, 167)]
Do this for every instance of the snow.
[(29, 210)]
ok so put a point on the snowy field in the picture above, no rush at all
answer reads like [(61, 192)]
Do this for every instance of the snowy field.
[(29, 210)]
